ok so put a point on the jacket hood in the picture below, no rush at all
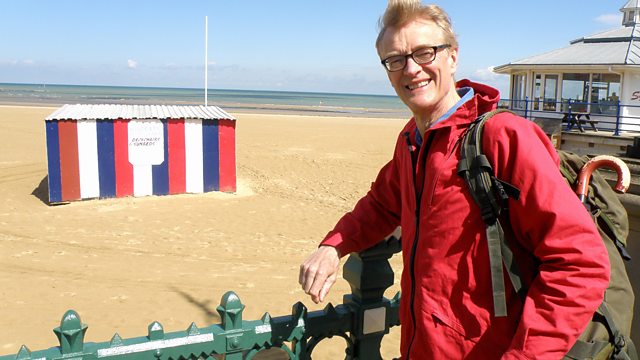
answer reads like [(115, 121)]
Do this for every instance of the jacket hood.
[(485, 98)]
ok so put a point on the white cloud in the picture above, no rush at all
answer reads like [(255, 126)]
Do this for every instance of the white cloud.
[(488, 77), (132, 64), (13, 62), (171, 66), (486, 74), (609, 19)]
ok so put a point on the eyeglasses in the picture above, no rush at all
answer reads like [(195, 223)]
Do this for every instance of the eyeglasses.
[(421, 56)]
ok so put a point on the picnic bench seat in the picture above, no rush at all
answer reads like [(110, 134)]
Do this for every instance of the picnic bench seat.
[(578, 119)]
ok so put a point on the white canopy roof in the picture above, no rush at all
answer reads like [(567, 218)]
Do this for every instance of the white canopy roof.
[(616, 47)]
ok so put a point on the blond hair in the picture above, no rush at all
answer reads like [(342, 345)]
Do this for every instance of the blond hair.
[(401, 12)]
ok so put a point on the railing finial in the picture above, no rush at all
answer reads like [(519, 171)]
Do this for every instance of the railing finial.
[(70, 333), (230, 310)]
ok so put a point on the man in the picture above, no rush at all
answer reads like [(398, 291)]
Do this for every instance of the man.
[(447, 304)]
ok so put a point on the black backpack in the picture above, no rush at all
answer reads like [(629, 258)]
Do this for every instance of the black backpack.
[(607, 335)]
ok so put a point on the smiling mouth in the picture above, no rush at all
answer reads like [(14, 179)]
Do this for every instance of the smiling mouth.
[(418, 85)]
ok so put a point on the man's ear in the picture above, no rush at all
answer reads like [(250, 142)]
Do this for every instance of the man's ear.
[(453, 59)]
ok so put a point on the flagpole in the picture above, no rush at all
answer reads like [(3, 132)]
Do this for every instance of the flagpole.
[(206, 56)]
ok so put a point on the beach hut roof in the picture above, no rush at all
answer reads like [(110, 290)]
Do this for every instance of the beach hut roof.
[(117, 111)]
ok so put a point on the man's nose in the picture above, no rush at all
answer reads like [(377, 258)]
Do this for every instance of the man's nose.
[(412, 66)]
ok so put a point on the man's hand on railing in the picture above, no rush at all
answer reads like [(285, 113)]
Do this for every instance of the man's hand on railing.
[(319, 272)]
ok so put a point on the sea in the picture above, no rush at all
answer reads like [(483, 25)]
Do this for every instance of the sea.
[(312, 103)]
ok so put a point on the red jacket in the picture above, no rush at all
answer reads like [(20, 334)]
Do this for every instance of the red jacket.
[(446, 309)]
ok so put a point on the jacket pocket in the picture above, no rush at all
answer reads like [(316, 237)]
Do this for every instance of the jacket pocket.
[(440, 319), (469, 334), (467, 323)]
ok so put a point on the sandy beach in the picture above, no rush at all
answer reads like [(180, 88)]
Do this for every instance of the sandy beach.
[(123, 263)]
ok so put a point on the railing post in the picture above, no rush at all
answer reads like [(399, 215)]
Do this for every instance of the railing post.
[(526, 106), (369, 274), (299, 313), (230, 310), (70, 333), (569, 124), (617, 131)]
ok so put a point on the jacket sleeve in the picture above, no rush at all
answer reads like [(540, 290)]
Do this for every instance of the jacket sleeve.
[(375, 216), (550, 222)]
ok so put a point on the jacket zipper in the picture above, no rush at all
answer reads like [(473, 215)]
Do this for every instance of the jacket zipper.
[(414, 247)]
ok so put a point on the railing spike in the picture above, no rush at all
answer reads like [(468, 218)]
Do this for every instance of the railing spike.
[(266, 318), (299, 311), (156, 332), (116, 340), (330, 310), (24, 353), (193, 329)]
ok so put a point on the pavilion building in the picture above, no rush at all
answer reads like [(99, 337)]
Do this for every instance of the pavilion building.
[(597, 75)]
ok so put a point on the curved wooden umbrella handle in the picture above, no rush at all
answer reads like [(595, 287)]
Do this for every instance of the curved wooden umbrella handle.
[(611, 162)]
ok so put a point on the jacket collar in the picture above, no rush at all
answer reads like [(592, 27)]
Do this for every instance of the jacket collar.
[(466, 93), (484, 100)]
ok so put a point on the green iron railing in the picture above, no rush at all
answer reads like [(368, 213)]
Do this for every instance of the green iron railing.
[(362, 320)]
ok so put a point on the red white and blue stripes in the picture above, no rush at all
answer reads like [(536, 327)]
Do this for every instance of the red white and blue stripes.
[(101, 151)]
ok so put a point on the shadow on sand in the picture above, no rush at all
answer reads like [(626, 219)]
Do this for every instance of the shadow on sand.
[(207, 307), (42, 190)]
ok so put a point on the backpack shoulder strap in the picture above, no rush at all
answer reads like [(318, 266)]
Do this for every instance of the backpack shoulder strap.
[(490, 194)]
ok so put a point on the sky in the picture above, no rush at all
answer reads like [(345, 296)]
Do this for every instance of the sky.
[(302, 45)]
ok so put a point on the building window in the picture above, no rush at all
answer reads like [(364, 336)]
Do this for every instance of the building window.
[(518, 91), (605, 92), (537, 91), (575, 90), (550, 92), (596, 93)]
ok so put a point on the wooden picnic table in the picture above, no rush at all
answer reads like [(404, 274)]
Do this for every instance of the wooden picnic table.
[(577, 119)]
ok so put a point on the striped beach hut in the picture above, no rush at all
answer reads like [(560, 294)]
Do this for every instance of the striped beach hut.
[(103, 151)]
